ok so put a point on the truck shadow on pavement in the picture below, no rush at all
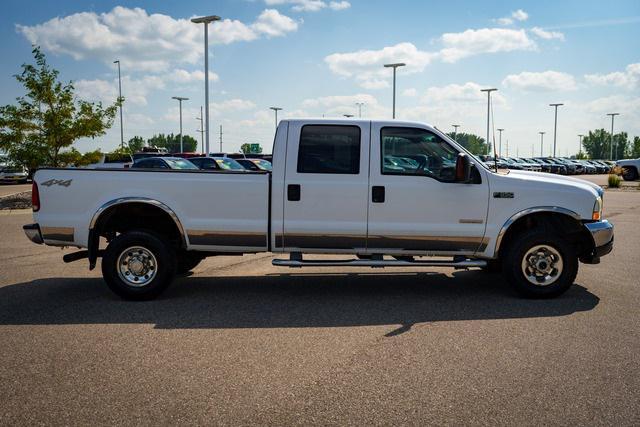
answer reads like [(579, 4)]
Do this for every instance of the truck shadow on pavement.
[(286, 301)]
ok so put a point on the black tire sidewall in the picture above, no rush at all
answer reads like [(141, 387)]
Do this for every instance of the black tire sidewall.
[(165, 270), (519, 247), (629, 174)]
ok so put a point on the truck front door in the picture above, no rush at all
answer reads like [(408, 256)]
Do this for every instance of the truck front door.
[(326, 184), (415, 205)]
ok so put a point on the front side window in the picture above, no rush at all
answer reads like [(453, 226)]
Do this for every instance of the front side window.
[(414, 151), (330, 149)]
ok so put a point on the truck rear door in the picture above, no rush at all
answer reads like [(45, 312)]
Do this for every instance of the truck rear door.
[(326, 186)]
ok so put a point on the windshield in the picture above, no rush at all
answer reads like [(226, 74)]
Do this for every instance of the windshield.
[(229, 164), (180, 164), (263, 164)]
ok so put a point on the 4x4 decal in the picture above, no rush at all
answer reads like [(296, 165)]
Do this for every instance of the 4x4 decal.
[(61, 182)]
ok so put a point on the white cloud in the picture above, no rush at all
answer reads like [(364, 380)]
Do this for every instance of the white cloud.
[(484, 40), (339, 5), (518, 15), (547, 35), (411, 92), (460, 93), (629, 78), (310, 5), (542, 81), (366, 66), (184, 76), (145, 41)]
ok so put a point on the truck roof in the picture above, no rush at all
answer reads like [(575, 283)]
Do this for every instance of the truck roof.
[(350, 120)]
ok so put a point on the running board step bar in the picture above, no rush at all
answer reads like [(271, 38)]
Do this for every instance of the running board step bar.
[(378, 263)]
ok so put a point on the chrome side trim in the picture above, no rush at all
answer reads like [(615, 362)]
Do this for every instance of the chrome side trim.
[(376, 263), (529, 211), (227, 238), (59, 234), (153, 202)]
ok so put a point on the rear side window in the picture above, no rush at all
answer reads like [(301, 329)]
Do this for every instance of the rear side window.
[(333, 149)]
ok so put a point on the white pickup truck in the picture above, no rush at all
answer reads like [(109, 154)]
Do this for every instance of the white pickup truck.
[(389, 193), (630, 169)]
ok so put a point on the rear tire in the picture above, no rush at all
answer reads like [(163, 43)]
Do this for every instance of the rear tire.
[(540, 264), (138, 265), (629, 174)]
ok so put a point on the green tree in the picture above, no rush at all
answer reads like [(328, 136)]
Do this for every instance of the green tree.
[(172, 142), (135, 144), (597, 144), (474, 143), (635, 149), (48, 118)]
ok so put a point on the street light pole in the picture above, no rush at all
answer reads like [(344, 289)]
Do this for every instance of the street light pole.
[(455, 132), (206, 20), (275, 110), (611, 148), (580, 145), (488, 113), (120, 101), (359, 104), (201, 131), (555, 126), (394, 66), (500, 149), (541, 143), (180, 99)]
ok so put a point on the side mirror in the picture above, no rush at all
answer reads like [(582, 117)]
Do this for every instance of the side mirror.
[(463, 168)]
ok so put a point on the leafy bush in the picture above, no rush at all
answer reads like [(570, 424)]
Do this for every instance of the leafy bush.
[(614, 181)]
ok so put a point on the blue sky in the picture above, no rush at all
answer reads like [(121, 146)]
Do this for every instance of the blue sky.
[(320, 57)]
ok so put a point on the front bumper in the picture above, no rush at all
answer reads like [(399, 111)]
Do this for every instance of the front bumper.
[(33, 233), (602, 235)]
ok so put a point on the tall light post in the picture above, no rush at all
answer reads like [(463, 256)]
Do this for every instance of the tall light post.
[(555, 126), (201, 130), (455, 132), (359, 104), (500, 149), (394, 66), (488, 112), (180, 99), (120, 101), (206, 20), (275, 110), (611, 148), (580, 144), (541, 143)]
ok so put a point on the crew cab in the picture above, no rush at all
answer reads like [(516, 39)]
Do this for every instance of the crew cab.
[(388, 193)]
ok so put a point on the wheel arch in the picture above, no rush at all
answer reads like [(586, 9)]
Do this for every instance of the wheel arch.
[(110, 210), (568, 221)]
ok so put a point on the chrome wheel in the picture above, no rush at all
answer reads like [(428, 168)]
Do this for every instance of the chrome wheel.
[(542, 265), (137, 266)]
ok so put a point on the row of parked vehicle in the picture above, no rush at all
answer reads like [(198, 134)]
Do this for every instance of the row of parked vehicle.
[(558, 165)]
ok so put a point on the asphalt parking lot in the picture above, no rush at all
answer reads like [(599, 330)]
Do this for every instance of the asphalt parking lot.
[(242, 342)]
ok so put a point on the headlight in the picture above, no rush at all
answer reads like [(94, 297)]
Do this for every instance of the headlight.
[(597, 210)]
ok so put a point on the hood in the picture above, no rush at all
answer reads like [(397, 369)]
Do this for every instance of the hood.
[(558, 179)]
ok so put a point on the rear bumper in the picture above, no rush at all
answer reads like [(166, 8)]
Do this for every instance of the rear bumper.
[(602, 235), (33, 233)]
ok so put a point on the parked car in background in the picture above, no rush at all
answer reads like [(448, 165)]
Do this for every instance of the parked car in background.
[(205, 163), (588, 167), (600, 168), (229, 164), (10, 173), (630, 169), (113, 160), (218, 163), (572, 168), (525, 165), (536, 165), (255, 164), (551, 166), (164, 163), (605, 165)]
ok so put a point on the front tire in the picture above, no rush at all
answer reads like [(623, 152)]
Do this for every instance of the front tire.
[(138, 265), (540, 264), (629, 174)]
